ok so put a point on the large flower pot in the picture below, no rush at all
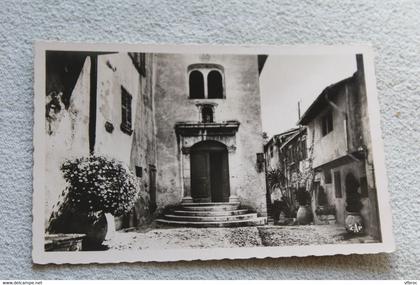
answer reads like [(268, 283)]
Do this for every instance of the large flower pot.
[(96, 228), (304, 215), (92, 224), (110, 220), (354, 223)]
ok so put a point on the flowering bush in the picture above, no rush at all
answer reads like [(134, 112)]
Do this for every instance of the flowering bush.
[(96, 183)]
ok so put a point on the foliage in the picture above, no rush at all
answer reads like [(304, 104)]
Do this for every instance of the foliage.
[(275, 178), (304, 177), (303, 197), (96, 183)]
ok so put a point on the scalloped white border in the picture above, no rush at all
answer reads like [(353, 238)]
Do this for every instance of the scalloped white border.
[(39, 256)]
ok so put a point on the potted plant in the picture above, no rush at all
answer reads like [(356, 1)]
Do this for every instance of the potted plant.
[(276, 180), (96, 186), (354, 220), (304, 213)]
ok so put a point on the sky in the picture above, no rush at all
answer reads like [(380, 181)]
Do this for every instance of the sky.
[(287, 79)]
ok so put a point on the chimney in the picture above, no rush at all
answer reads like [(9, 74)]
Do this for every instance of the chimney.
[(360, 66), (299, 110)]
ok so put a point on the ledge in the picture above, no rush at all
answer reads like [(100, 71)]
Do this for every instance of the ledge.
[(227, 128), (341, 160)]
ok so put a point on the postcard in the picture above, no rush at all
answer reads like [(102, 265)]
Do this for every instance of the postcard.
[(175, 152)]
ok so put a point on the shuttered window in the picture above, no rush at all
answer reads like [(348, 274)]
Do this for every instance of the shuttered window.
[(126, 123)]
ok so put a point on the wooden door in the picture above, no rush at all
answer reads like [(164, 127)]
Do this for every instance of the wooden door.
[(200, 176), (209, 172), (219, 175)]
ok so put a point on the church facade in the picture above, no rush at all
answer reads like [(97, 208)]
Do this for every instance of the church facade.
[(208, 129)]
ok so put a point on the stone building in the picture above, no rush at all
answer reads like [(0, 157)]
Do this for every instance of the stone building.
[(272, 148), (288, 153), (188, 126), (209, 134), (338, 127)]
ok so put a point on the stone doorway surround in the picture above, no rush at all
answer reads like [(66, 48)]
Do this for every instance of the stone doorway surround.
[(190, 133)]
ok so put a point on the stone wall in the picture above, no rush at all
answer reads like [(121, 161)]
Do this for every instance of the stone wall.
[(115, 71), (136, 149), (143, 151), (333, 145), (67, 128), (371, 202)]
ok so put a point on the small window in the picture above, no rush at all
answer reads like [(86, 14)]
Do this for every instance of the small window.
[(207, 114), (271, 151), (337, 184), (126, 111), (139, 171), (327, 123), (215, 85), (196, 85)]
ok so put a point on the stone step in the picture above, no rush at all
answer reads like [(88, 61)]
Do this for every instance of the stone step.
[(243, 223), (211, 218), (214, 208), (198, 204), (210, 213)]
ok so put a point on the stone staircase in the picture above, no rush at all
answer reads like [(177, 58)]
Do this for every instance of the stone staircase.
[(206, 215)]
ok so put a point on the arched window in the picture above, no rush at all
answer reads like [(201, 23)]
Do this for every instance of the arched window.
[(207, 114), (196, 85), (215, 85), (207, 81)]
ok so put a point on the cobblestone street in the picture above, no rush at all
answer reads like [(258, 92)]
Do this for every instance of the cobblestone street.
[(177, 238)]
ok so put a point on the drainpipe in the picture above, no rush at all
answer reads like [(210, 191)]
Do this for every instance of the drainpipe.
[(332, 104)]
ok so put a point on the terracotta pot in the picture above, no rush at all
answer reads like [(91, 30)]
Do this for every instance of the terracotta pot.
[(304, 215), (354, 223), (111, 225), (93, 225), (96, 229)]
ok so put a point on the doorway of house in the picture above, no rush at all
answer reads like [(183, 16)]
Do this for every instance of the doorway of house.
[(209, 172)]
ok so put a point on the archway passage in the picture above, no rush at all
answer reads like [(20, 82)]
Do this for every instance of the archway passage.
[(209, 172)]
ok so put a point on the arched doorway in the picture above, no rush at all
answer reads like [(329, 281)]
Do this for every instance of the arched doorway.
[(209, 172)]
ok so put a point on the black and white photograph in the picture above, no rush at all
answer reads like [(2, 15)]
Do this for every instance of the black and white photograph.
[(173, 152)]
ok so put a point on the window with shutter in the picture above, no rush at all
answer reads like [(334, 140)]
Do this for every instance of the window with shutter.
[(126, 120)]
